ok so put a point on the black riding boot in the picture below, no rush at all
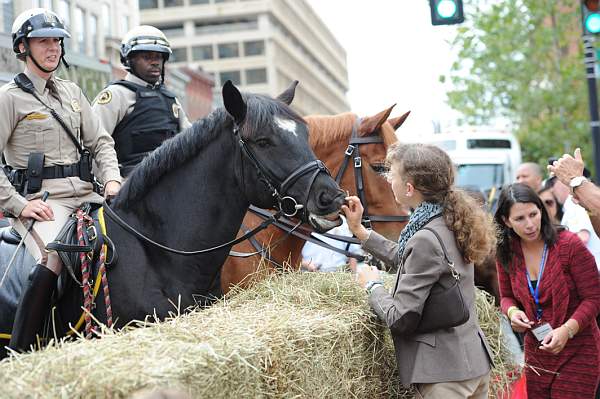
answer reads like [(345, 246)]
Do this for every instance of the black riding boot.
[(32, 309)]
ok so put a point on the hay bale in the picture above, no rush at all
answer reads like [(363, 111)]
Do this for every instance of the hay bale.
[(294, 335)]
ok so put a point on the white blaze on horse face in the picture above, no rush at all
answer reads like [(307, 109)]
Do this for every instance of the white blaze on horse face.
[(287, 124)]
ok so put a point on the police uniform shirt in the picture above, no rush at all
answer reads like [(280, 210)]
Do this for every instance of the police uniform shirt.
[(27, 126), (116, 101)]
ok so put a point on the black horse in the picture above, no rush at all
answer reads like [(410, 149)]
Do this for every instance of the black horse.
[(192, 193)]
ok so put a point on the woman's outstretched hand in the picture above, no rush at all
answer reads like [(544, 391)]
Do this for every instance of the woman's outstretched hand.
[(353, 210)]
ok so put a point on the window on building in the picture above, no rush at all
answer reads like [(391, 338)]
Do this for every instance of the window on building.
[(173, 3), (8, 12), (227, 25), (256, 76), (93, 35), (80, 32), (234, 76), (178, 55), (42, 4), (256, 47), (172, 30), (64, 11), (224, 1), (145, 4), (204, 52), (124, 24), (106, 18), (192, 2), (228, 50)]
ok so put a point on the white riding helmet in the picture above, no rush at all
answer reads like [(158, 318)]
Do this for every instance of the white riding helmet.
[(144, 38), (36, 22)]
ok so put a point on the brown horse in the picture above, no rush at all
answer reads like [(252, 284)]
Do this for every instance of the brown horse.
[(329, 137)]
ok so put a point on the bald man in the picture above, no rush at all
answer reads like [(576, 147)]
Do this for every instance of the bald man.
[(530, 173)]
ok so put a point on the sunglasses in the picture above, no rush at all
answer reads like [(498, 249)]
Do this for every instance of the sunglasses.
[(550, 202)]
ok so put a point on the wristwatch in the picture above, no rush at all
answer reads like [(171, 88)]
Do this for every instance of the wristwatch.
[(372, 284), (576, 182)]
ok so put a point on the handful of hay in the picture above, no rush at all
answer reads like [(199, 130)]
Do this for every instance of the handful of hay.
[(294, 335)]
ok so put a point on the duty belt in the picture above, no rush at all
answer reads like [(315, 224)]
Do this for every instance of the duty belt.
[(56, 171)]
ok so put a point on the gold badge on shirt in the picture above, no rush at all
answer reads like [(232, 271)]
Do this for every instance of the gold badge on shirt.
[(104, 97), (36, 116), (176, 110), (75, 105)]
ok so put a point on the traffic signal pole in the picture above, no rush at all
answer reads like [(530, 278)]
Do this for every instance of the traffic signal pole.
[(590, 66)]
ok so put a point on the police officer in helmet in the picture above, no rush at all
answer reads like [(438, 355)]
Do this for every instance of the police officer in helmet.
[(139, 111), (41, 156)]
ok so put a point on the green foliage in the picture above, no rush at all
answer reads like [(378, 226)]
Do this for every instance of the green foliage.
[(522, 60)]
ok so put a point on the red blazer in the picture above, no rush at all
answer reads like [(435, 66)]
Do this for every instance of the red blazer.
[(570, 285)]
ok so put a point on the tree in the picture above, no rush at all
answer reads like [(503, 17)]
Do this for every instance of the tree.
[(523, 60)]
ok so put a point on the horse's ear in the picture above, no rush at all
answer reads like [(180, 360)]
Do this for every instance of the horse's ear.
[(398, 121), (288, 95), (373, 123), (234, 102)]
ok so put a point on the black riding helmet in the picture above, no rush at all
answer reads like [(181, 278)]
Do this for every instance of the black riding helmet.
[(38, 22)]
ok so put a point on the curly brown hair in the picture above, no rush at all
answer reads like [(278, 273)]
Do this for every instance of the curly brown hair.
[(430, 170)]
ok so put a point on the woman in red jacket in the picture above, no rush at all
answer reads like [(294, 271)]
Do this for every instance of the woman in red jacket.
[(550, 290)]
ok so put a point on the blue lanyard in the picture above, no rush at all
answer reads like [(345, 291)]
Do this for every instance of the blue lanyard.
[(536, 293)]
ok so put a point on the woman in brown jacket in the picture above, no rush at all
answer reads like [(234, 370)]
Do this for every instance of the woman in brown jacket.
[(449, 362)]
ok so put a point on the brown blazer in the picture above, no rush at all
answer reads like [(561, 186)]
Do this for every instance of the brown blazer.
[(452, 354)]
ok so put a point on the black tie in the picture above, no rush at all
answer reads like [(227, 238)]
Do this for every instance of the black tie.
[(52, 89)]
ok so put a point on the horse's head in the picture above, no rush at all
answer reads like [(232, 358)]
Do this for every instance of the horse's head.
[(361, 144), (278, 167)]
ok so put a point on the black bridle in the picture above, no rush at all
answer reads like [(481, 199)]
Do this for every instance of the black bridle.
[(286, 205), (353, 152)]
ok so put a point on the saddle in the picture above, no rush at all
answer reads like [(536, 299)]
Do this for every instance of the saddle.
[(67, 246), (67, 242)]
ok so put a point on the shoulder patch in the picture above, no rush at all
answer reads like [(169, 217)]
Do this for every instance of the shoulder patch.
[(104, 97)]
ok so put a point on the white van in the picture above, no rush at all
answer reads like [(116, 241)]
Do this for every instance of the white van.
[(485, 158)]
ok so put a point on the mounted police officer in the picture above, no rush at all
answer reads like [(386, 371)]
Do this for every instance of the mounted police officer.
[(139, 111), (48, 133)]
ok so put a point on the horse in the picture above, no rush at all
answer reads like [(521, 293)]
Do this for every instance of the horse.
[(338, 140), (192, 192)]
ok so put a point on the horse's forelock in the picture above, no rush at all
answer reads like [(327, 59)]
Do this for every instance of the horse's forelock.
[(388, 133), (261, 112)]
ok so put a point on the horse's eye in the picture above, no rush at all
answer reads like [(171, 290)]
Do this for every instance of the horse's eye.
[(380, 168), (263, 142)]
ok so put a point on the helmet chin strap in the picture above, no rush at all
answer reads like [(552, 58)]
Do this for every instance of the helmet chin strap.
[(27, 53)]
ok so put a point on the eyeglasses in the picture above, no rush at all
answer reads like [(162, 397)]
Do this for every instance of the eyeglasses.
[(550, 202)]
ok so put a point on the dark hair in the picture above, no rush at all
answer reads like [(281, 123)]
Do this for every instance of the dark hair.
[(510, 195), (559, 207)]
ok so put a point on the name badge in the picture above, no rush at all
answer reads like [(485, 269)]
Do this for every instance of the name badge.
[(541, 331)]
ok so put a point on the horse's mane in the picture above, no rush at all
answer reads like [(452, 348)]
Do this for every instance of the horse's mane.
[(329, 129), (184, 146)]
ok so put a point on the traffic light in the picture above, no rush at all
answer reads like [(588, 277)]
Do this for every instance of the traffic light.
[(447, 12), (590, 16)]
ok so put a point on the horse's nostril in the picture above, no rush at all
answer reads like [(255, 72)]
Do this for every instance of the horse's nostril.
[(327, 198)]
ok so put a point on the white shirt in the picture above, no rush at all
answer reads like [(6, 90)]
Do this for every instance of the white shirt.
[(325, 259), (575, 218)]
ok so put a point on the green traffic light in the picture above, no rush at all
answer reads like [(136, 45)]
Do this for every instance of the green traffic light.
[(592, 23), (447, 9)]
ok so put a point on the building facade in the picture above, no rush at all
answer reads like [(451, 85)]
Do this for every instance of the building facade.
[(94, 26), (97, 28), (260, 45)]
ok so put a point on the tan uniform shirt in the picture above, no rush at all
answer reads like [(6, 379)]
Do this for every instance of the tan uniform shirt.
[(115, 102), (27, 126)]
